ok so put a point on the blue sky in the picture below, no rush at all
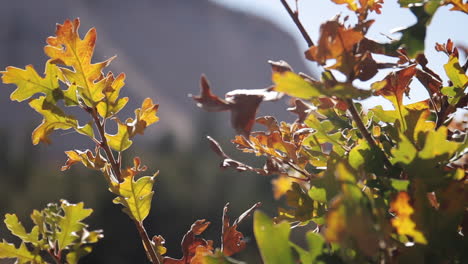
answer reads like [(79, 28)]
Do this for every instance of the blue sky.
[(445, 24)]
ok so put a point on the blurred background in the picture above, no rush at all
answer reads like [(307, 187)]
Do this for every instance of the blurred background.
[(163, 46)]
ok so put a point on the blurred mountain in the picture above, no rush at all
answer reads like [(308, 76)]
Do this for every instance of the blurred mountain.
[(163, 46)]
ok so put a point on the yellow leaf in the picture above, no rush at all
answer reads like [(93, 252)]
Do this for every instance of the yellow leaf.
[(120, 141), (111, 104), (402, 221), (135, 196), (144, 117), (54, 118), (29, 82), (281, 185), (294, 85)]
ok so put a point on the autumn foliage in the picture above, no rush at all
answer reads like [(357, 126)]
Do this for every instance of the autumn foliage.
[(365, 185)]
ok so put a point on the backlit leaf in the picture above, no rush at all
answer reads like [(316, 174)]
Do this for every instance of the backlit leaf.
[(121, 140), (242, 104), (87, 158), (316, 243), (394, 86), (272, 240), (111, 104), (294, 85), (458, 5), (459, 79), (336, 42), (21, 254), (144, 117), (402, 221), (17, 229), (193, 246), (135, 196), (281, 185), (437, 145), (405, 152), (233, 240), (70, 223), (54, 118), (69, 49), (29, 83)]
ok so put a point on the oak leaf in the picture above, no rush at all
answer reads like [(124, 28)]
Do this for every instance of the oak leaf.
[(69, 49), (191, 244), (54, 118), (243, 104), (29, 82), (135, 195), (402, 221)]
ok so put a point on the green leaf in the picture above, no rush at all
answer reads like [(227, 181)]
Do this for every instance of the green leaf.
[(437, 145), (75, 255), (459, 79), (316, 244), (387, 116), (17, 229), (405, 152), (325, 132), (29, 82), (135, 196), (86, 130), (219, 258), (294, 85), (22, 254), (272, 239), (318, 194), (399, 185), (54, 118), (70, 223), (120, 141), (413, 37)]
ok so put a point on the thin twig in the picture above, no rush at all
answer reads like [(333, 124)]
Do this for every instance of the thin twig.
[(115, 165), (367, 136), (147, 243), (295, 18), (301, 171)]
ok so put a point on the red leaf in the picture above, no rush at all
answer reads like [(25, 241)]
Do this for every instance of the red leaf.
[(190, 243), (233, 240)]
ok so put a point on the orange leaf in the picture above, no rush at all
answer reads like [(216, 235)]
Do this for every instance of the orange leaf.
[(144, 117), (69, 49), (402, 221), (87, 158), (335, 42), (193, 246)]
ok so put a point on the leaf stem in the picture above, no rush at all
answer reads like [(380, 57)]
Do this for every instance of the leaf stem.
[(55, 257), (147, 243), (295, 18), (115, 165), (367, 136)]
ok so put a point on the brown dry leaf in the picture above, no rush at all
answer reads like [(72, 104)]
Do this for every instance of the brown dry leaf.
[(243, 104), (336, 42)]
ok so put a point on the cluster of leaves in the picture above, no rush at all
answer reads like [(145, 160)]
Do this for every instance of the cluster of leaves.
[(58, 233), (379, 186), (72, 80)]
